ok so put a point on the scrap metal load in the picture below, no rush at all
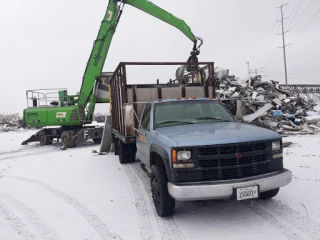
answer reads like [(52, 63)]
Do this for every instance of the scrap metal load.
[(267, 104), (196, 82)]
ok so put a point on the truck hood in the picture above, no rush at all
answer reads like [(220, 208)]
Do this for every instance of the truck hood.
[(216, 133)]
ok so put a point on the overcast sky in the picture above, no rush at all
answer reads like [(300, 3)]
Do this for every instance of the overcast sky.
[(46, 44)]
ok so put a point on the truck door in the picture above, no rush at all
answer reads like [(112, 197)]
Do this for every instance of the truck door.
[(143, 135)]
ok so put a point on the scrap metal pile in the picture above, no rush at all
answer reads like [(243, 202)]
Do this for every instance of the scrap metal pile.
[(266, 104), (9, 122)]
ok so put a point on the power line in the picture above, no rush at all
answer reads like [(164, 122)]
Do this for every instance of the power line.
[(292, 24), (283, 46), (314, 16), (293, 9), (272, 55), (285, 9), (265, 48), (295, 13), (278, 59), (302, 14)]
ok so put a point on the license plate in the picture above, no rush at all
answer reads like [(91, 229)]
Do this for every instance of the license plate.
[(247, 193)]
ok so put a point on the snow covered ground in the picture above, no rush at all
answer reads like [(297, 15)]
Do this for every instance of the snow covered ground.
[(75, 194)]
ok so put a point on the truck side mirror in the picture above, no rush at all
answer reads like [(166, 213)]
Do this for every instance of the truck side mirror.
[(129, 115)]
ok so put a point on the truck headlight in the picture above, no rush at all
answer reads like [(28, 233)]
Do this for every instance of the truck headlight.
[(183, 155), (182, 159), (276, 146)]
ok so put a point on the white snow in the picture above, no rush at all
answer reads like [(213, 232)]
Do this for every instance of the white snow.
[(75, 194)]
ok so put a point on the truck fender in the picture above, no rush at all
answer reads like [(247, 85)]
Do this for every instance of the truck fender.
[(164, 155)]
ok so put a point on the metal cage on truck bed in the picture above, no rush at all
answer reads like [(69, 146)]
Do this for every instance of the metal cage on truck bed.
[(198, 82)]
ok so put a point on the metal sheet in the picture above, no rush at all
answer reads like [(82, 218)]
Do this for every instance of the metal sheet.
[(130, 96), (261, 111), (171, 93), (195, 91), (106, 135)]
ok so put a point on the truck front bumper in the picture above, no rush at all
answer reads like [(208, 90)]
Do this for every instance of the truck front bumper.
[(224, 189)]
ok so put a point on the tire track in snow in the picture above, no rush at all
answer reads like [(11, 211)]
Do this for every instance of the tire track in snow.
[(45, 231), (305, 225), (39, 151), (21, 149), (168, 226), (146, 230), (16, 223), (100, 227), (281, 226)]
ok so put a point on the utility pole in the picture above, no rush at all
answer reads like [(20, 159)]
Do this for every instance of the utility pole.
[(256, 70), (284, 45), (248, 67)]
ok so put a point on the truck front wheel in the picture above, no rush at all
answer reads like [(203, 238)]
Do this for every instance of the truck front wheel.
[(269, 194), (163, 202)]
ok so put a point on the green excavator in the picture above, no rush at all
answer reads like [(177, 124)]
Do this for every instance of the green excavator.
[(68, 117)]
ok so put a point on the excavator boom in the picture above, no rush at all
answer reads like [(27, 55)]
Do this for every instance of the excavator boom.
[(105, 35), (99, 52)]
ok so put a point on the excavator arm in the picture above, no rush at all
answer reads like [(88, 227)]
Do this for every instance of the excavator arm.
[(163, 15), (105, 35)]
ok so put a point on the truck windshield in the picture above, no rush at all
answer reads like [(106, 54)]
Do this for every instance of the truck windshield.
[(190, 112)]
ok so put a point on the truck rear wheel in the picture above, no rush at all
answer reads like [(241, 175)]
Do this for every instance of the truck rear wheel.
[(122, 152), (269, 194), (163, 202), (43, 138), (127, 152), (116, 148), (67, 140), (132, 152)]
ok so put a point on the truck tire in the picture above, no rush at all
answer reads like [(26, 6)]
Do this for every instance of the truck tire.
[(97, 140), (67, 140), (116, 148), (132, 152), (127, 152), (43, 138), (269, 194), (122, 152), (163, 202)]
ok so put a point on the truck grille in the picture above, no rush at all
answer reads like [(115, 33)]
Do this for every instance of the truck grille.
[(234, 149), (234, 173), (221, 163), (233, 161)]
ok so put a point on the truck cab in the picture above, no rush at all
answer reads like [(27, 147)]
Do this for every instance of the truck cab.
[(204, 153)]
